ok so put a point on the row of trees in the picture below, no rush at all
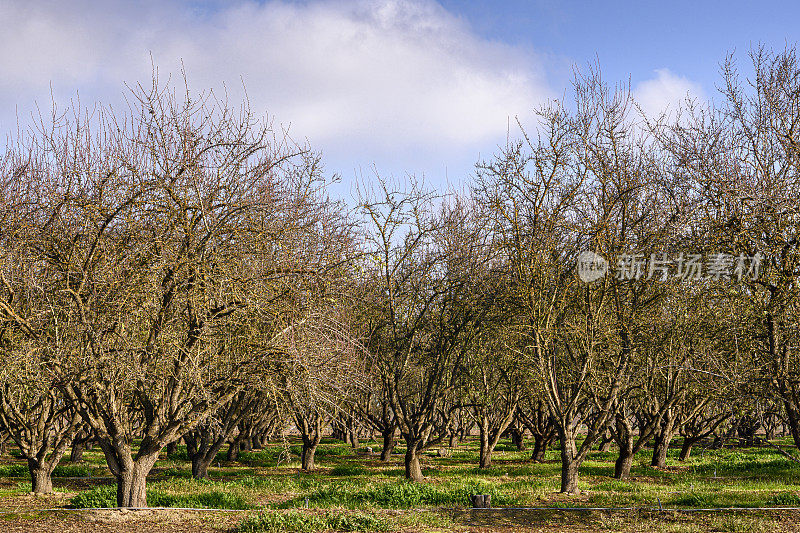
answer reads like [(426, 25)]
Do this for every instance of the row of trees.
[(179, 272)]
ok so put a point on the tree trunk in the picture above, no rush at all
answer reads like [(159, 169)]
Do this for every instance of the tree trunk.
[(539, 448), (233, 451), (605, 444), (569, 476), (200, 464), (41, 480), (485, 448), (662, 441), (622, 467), (132, 487), (661, 448), (569, 464), (172, 447), (518, 439), (793, 419), (388, 445), (686, 449), (660, 453), (413, 466), (465, 431), (307, 460), (76, 453), (202, 446), (352, 431)]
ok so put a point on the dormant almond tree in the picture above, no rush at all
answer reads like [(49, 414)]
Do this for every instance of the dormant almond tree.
[(321, 371), (428, 269), (207, 438), (39, 419), (163, 231), (586, 183), (375, 410), (741, 163), (534, 415), (492, 386), (34, 329)]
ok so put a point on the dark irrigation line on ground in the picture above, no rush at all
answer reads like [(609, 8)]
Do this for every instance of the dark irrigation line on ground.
[(125, 509), (651, 508), (583, 509)]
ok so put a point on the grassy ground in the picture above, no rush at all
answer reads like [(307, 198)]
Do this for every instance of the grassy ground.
[(351, 491)]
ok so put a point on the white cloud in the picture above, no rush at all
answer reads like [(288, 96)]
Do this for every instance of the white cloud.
[(666, 93), (355, 77)]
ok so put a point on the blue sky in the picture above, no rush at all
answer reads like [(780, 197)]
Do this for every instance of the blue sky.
[(635, 38), (389, 86)]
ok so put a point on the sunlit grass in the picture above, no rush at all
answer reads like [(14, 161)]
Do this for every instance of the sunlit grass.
[(358, 484)]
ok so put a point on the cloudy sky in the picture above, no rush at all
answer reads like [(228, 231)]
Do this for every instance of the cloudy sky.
[(398, 86)]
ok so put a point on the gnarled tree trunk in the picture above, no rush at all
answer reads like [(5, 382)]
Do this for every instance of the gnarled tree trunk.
[(130, 471), (412, 461), (570, 461), (311, 423), (540, 444), (309, 450), (41, 480), (569, 474), (388, 443), (205, 441), (622, 431), (132, 486), (518, 438), (622, 466), (80, 443), (491, 428), (663, 439), (535, 416)]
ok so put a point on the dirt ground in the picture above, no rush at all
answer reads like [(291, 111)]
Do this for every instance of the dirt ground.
[(482, 521), (24, 513), (116, 521)]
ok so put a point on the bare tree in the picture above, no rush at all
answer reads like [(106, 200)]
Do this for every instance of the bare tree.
[(493, 384), (535, 416), (207, 438), (740, 163), (377, 413), (321, 373), (162, 232), (425, 273), (587, 183), (39, 419)]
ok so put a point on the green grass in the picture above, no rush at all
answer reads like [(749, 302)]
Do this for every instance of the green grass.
[(106, 496), (401, 494), (21, 470), (349, 485), (17, 470), (349, 470), (274, 521)]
